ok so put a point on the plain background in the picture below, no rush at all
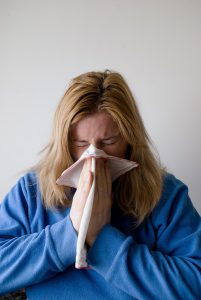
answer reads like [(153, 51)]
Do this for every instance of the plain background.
[(156, 45)]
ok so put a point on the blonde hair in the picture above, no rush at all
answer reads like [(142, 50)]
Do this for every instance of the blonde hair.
[(136, 192)]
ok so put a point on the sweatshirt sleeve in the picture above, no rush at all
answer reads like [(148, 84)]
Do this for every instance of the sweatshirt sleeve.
[(27, 257), (172, 270)]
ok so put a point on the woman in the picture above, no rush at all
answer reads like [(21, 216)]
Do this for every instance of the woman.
[(144, 234)]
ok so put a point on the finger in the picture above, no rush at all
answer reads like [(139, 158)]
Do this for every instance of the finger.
[(83, 174), (108, 178), (85, 181), (101, 186), (108, 186), (100, 176)]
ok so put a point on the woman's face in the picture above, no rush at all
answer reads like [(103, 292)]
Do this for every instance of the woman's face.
[(100, 130)]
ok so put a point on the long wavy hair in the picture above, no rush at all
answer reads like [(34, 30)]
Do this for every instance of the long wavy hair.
[(136, 192)]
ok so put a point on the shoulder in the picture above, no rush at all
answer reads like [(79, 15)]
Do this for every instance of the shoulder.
[(174, 202), (171, 183), (29, 183), (173, 188), (22, 209), (176, 222), (24, 191)]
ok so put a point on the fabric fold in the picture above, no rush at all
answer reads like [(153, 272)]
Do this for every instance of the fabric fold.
[(70, 177)]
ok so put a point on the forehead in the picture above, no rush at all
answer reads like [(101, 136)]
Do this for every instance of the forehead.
[(98, 125)]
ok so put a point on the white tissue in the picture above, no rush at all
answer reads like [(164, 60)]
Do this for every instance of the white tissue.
[(70, 177)]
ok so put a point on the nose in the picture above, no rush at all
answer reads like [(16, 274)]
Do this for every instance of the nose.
[(97, 144)]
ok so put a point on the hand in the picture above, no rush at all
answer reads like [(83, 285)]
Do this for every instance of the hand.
[(81, 194), (101, 212)]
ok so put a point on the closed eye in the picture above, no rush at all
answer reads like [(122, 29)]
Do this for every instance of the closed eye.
[(111, 140), (108, 142), (80, 143)]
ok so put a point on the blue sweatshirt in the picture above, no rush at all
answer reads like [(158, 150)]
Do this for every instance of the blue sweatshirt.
[(161, 259)]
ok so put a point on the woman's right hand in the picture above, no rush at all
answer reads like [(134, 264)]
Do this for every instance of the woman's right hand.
[(81, 194)]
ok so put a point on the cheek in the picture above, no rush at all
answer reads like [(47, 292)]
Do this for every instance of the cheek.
[(76, 152), (117, 150), (122, 150)]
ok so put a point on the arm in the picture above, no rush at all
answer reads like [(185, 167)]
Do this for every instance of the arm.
[(172, 270), (27, 258)]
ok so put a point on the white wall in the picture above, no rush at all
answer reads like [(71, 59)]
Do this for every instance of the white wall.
[(156, 45)]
